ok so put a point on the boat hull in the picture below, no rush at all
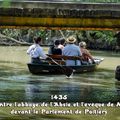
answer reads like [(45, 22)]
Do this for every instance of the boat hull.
[(55, 69)]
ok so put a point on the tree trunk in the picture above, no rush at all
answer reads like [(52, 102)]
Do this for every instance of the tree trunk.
[(13, 40)]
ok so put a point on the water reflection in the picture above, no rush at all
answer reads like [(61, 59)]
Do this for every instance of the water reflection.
[(77, 89), (85, 87), (42, 91), (117, 85), (36, 91)]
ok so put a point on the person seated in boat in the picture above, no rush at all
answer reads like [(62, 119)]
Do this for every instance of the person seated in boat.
[(72, 50), (62, 43), (86, 55), (54, 50), (36, 52)]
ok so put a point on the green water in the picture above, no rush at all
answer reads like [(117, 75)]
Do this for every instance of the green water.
[(18, 84)]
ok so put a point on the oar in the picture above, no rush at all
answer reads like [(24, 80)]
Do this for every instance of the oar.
[(68, 71)]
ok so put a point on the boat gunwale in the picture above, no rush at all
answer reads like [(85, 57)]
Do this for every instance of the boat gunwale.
[(37, 64)]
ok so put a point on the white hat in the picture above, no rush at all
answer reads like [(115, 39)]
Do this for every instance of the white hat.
[(71, 39)]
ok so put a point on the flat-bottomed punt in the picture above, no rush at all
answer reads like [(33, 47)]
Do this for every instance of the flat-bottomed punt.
[(51, 68)]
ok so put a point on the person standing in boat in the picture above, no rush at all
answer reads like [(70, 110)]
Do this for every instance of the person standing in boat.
[(36, 52), (72, 50), (86, 56)]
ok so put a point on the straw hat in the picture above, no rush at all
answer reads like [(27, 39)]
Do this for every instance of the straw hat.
[(71, 39), (82, 44)]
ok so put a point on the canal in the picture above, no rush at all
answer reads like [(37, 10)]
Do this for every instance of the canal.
[(18, 84)]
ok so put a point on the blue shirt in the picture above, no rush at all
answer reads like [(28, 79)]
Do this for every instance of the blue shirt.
[(72, 50)]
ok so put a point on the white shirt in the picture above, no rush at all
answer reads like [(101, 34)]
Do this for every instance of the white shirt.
[(36, 51), (61, 46)]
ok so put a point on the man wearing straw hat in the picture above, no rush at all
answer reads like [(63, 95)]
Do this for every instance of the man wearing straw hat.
[(72, 50)]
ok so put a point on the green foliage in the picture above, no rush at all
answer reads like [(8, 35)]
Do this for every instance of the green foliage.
[(6, 3), (98, 39)]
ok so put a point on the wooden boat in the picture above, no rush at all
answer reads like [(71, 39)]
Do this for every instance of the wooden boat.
[(52, 68)]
